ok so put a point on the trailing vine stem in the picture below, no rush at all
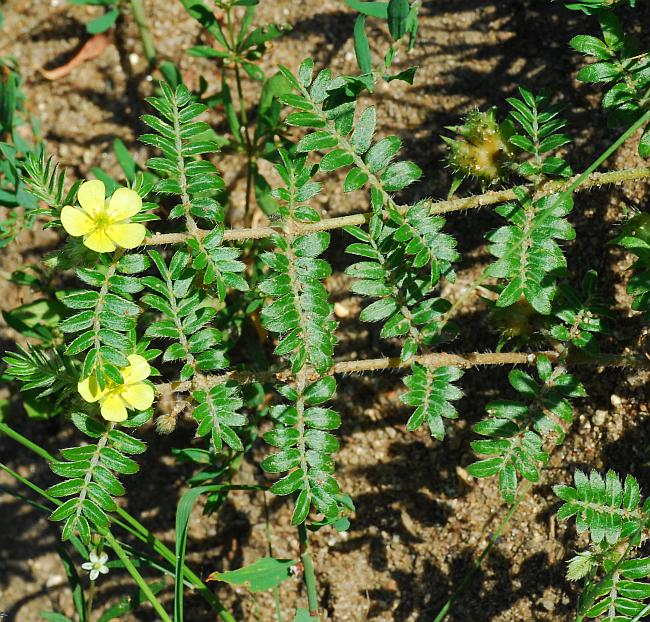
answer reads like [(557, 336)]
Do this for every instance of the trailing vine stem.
[(587, 179), (436, 359), (611, 575), (493, 197)]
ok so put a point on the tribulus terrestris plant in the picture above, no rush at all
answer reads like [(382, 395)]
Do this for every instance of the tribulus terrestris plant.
[(165, 312)]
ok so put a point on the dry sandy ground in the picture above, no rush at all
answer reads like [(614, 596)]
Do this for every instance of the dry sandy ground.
[(419, 519)]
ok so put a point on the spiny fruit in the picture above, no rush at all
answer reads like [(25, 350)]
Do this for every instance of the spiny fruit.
[(482, 148)]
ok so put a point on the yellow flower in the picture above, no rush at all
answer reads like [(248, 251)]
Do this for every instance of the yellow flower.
[(103, 224), (116, 398)]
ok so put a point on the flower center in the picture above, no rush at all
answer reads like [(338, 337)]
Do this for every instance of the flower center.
[(113, 389), (102, 220)]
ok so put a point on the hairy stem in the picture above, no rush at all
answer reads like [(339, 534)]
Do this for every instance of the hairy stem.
[(577, 183), (561, 361), (436, 359)]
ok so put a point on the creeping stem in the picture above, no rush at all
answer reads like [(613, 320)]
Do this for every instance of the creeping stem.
[(435, 359), (578, 183)]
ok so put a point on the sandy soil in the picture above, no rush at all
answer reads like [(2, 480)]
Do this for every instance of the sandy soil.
[(420, 519)]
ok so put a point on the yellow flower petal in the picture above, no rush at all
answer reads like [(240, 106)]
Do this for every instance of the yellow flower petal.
[(89, 389), (127, 236), (99, 242), (137, 370), (91, 197), (123, 204), (113, 408), (139, 396), (76, 222)]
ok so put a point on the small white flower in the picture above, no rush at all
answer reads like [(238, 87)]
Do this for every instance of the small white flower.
[(96, 564)]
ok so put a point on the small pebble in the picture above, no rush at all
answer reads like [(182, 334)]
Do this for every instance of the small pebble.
[(54, 579), (391, 585), (340, 310), (615, 400), (133, 59), (548, 604), (600, 416)]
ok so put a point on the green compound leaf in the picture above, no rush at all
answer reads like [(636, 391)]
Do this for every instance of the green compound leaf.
[(299, 310), (528, 256), (90, 480), (620, 64), (603, 506), (424, 240), (581, 314), (541, 125), (390, 272), (431, 392), (613, 513), (217, 414), (195, 181), (302, 435), (516, 432)]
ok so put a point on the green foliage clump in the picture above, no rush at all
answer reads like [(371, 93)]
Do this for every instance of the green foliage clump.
[(232, 314), (613, 514)]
